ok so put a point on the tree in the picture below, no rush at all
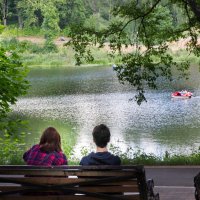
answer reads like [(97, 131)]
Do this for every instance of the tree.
[(73, 11), (42, 13), (4, 11), (27, 12), (12, 78), (154, 29), (13, 85), (50, 24)]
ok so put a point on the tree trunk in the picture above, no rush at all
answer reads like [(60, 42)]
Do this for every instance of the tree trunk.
[(20, 20), (5, 11)]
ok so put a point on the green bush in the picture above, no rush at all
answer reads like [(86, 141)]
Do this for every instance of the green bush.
[(14, 31), (12, 78), (12, 139), (28, 47), (49, 46), (21, 47), (11, 149)]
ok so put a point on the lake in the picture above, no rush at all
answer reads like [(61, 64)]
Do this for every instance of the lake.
[(75, 99)]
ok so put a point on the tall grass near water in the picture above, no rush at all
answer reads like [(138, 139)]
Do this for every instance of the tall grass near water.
[(9, 155)]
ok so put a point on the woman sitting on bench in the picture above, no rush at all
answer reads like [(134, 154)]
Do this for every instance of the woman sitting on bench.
[(48, 152)]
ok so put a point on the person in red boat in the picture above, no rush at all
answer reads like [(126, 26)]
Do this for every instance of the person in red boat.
[(182, 93), (48, 152), (177, 93)]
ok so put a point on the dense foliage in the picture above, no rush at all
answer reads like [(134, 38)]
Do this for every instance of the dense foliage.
[(13, 84), (12, 78)]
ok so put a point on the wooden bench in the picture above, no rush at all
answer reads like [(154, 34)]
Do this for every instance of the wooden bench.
[(75, 183)]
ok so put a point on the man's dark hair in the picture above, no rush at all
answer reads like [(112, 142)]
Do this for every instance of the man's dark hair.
[(101, 135)]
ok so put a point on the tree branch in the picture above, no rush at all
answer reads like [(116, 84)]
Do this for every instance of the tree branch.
[(141, 16)]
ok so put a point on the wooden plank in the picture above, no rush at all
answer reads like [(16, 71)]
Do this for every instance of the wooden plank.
[(4, 170), (67, 173), (62, 197), (76, 167), (60, 181), (107, 189), (105, 173)]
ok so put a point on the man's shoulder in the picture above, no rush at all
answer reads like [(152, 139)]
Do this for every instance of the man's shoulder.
[(115, 159), (86, 158)]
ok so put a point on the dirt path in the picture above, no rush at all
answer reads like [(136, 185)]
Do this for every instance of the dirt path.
[(60, 41), (40, 40)]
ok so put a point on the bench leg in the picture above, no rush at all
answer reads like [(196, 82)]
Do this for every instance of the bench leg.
[(197, 186), (151, 194), (197, 194)]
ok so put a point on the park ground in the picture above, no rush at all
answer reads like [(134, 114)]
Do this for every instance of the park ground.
[(60, 41), (173, 182)]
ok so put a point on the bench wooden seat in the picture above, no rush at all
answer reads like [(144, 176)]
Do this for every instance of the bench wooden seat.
[(75, 183)]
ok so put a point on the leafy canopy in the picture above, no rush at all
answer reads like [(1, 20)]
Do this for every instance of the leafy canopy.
[(146, 27), (12, 79)]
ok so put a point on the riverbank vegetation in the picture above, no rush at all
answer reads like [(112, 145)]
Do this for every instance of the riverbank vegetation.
[(13, 84), (12, 151), (33, 53), (36, 54), (47, 25)]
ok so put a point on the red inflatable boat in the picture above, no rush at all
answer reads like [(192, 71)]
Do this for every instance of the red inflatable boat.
[(182, 94)]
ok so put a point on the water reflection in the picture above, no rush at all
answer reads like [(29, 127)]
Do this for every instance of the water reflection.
[(86, 96), (156, 126)]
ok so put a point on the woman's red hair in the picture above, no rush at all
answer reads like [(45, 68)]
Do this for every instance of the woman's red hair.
[(50, 140)]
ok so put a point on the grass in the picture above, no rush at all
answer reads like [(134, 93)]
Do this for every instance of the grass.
[(13, 31), (139, 157), (130, 157), (35, 55), (46, 60), (183, 55), (64, 57), (168, 159)]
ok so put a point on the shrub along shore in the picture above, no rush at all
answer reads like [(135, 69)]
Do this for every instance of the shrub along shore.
[(9, 156), (34, 52)]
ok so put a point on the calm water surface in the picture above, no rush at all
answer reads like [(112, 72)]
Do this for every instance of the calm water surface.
[(76, 99)]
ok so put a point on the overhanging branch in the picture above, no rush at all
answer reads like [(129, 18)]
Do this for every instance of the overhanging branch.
[(141, 16)]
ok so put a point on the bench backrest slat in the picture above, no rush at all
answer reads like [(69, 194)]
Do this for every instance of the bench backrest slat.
[(70, 197)]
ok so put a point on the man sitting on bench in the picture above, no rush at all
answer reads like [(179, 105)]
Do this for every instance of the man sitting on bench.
[(101, 137)]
